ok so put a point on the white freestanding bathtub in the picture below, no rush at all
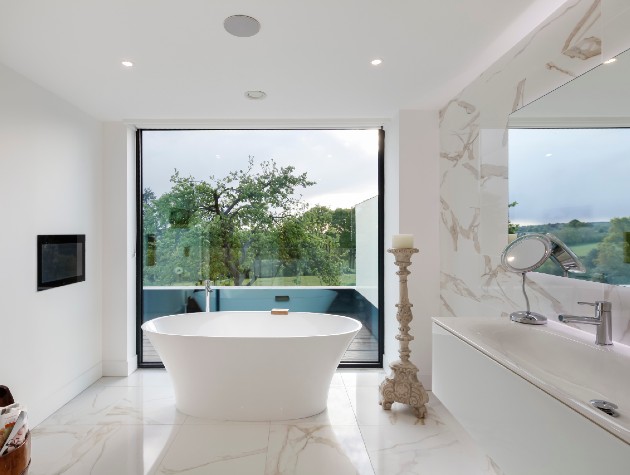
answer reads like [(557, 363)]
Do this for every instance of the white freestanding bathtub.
[(251, 366)]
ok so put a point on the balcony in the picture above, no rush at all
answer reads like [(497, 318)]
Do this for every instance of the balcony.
[(346, 301)]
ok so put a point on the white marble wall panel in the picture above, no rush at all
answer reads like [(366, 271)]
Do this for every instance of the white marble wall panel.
[(474, 167)]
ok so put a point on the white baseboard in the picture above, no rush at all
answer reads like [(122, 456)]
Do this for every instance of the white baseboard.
[(48, 403), (120, 367)]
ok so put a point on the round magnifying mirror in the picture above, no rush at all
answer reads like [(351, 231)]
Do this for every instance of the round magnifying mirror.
[(526, 253), (565, 257)]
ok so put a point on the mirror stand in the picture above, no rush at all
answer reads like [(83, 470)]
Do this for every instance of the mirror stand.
[(528, 317)]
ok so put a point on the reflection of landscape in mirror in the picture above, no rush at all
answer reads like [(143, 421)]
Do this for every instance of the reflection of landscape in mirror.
[(247, 207), (573, 183), (569, 167)]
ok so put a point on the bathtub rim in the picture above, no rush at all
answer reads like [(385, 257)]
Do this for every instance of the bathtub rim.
[(259, 312)]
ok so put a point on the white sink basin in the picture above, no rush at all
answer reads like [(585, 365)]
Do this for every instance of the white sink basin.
[(560, 360)]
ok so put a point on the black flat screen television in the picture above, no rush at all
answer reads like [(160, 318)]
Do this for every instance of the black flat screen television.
[(60, 260)]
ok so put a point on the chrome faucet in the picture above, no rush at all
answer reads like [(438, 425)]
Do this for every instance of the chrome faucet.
[(208, 284), (602, 319)]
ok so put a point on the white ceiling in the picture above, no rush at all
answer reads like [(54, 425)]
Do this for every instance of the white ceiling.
[(311, 58)]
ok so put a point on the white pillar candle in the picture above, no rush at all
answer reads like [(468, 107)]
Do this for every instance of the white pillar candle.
[(402, 241)]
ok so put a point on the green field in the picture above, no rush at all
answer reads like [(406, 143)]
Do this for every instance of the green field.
[(582, 250), (306, 280)]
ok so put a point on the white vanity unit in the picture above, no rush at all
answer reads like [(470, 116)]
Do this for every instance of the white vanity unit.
[(523, 392)]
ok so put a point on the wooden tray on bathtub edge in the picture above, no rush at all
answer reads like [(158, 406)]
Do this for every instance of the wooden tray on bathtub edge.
[(18, 461)]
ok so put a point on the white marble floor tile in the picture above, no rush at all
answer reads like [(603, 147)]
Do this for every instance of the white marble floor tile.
[(99, 450), (90, 407), (217, 449), (197, 421), (362, 377), (131, 426), (336, 380), (146, 405), (398, 442), (418, 449), (472, 451), (338, 411), (307, 449), (364, 400), (101, 404)]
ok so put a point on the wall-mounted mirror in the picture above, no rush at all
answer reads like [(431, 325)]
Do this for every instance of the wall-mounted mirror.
[(569, 165), (529, 252)]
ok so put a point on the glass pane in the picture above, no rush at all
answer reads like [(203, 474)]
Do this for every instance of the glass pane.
[(273, 218)]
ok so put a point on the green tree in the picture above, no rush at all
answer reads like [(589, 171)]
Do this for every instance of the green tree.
[(576, 223), (344, 222), (613, 257), (235, 214), (309, 245)]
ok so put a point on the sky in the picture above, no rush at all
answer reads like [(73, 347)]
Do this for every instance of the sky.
[(343, 163), (557, 175)]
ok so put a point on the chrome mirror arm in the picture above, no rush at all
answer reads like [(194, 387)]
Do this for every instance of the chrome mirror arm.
[(528, 316)]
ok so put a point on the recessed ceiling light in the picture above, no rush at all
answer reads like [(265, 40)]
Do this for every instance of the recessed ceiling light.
[(548, 154), (127, 64), (611, 60), (241, 25), (376, 61), (255, 95)]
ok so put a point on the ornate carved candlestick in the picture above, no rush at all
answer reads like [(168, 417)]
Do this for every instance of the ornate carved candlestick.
[(403, 386)]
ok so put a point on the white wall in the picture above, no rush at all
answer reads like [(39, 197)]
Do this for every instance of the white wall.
[(412, 206), (119, 248), (50, 157), (391, 224)]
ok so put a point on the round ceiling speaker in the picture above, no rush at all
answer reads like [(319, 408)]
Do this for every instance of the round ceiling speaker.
[(241, 25)]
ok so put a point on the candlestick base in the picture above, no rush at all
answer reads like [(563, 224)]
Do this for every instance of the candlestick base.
[(403, 386)]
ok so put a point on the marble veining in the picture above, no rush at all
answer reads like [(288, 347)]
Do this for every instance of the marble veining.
[(551, 66), (474, 165), (301, 449), (578, 46), (102, 431)]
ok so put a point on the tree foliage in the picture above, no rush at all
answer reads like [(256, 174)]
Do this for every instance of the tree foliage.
[(613, 254), (309, 245), (609, 258), (228, 229)]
